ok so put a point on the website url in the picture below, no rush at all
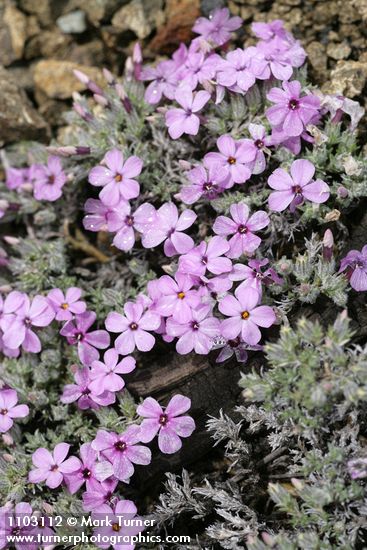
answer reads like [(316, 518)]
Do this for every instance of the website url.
[(82, 538)]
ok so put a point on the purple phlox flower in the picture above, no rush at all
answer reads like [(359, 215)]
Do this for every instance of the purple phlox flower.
[(169, 227), (211, 289), (196, 334), (9, 307), (96, 498), (168, 423), (124, 222), (177, 297), (234, 347), (81, 392), (105, 376), (12, 524), (357, 468), (218, 27), (18, 330), (198, 69), (15, 178), (51, 467), (355, 265), (235, 156), (239, 70), (260, 141), (291, 112), (133, 328), (164, 81), (7, 351), (9, 409), (88, 470), (76, 333), (49, 180), (281, 56), (185, 121), (293, 144), (267, 31), (122, 451), (206, 256), (245, 316), (252, 274), (291, 190), (337, 105), (242, 227), (206, 182), (68, 305), (122, 522), (97, 214), (116, 177)]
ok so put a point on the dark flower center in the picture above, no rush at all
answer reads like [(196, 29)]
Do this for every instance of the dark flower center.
[(16, 531), (64, 305), (129, 220), (120, 446), (79, 336), (54, 468), (118, 178), (245, 315), (208, 186), (293, 104), (86, 473), (86, 391), (27, 322), (51, 179), (163, 419), (231, 160), (195, 325), (259, 143), (234, 343), (4, 411), (297, 189), (204, 260), (242, 229), (133, 326), (115, 527)]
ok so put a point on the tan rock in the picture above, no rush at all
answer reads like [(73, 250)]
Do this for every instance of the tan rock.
[(348, 78), (56, 80), (139, 16), (13, 33), (317, 58), (339, 51), (18, 118)]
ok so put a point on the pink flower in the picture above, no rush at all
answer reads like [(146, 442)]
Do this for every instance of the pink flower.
[(206, 182), (76, 333), (198, 68), (355, 265), (133, 327), (198, 333), (97, 214), (235, 156), (281, 56), (242, 227), (82, 392), (177, 297), (122, 451), (49, 180), (291, 112), (99, 495), (245, 316), (16, 177), (260, 142), (239, 70), (185, 121), (18, 330), (87, 470), (123, 222), (9, 409), (65, 306), (252, 274), (116, 177), (218, 27), (206, 256), (105, 376), (164, 81), (167, 423), (52, 467), (267, 31), (121, 526), (12, 524), (291, 190), (169, 227)]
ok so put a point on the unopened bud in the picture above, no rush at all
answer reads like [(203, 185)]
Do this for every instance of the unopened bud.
[(332, 216), (297, 483), (123, 98), (82, 77), (8, 458), (342, 192), (327, 245), (13, 241), (110, 79), (8, 440), (101, 100), (268, 539)]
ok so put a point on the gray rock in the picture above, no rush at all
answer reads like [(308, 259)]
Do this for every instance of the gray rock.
[(72, 23), (13, 33), (19, 120)]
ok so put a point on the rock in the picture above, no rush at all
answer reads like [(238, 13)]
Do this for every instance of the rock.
[(361, 7), (18, 118), (338, 51), (317, 58), (348, 78), (46, 11), (55, 79), (13, 33), (91, 53), (52, 43), (96, 10), (72, 23), (139, 16), (181, 15)]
